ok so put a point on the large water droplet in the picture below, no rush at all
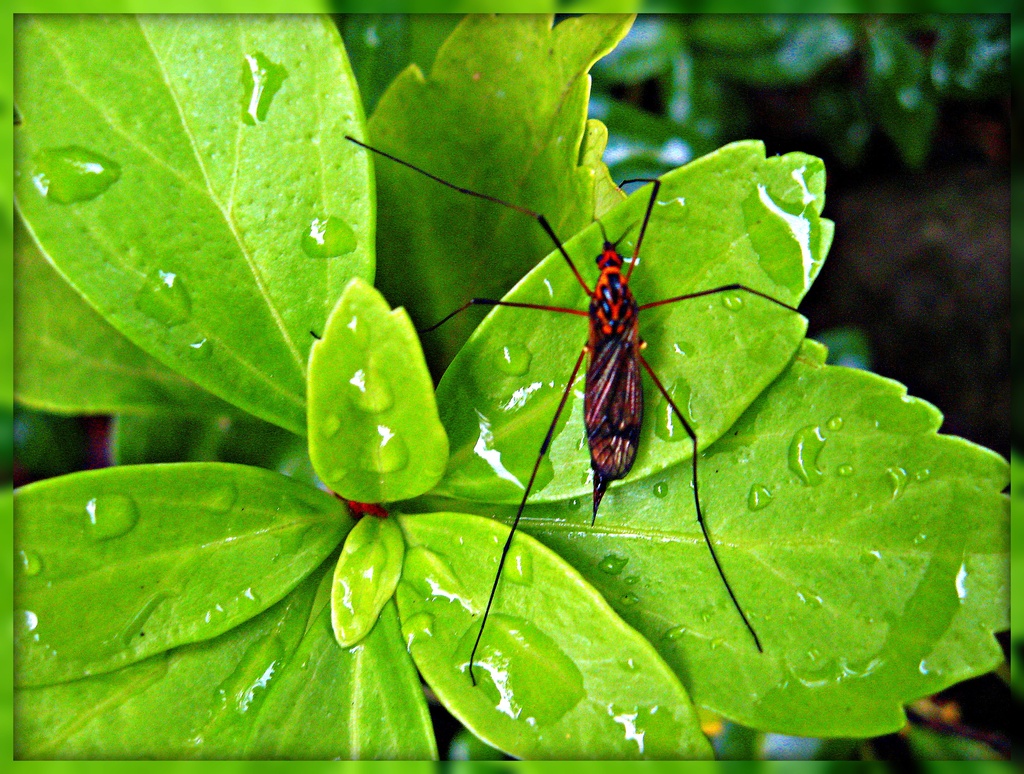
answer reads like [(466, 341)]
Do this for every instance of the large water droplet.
[(328, 237), (134, 628), (675, 633), (165, 299), (111, 516), (245, 688), (845, 471), (732, 302), (661, 489), (31, 563), (200, 350), (389, 455), (73, 174), (261, 80), (759, 497), (629, 598), (522, 670), (359, 332), (897, 478), (666, 424), (432, 577), (418, 627), (835, 423), (222, 498), (330, 426), (804, 451), (372, 393), (612, 564), (513, 359)]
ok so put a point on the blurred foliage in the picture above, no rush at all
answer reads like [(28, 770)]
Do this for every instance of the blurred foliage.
[(678, 86)]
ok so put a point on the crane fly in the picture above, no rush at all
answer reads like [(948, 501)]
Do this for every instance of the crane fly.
[(613, 407)]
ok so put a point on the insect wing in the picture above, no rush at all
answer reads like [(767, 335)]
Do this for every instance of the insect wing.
[(614, 405)]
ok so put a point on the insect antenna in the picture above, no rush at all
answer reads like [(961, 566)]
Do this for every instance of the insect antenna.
[(522, 505)]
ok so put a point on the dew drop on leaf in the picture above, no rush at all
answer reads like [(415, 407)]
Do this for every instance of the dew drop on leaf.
[(804, 450), (328, 237), (612, 564), (897, 478), (200, 350), (513, 359), (835, 423), (845, 471), (331, 425), (732, 302), (675, 633), (759, 497), (73, 174), (661, 489), (261, 80), (629, 598), (30, 562), (110, 516), (371, 392), (389, 455), (418, 627), (922, 475), (666, 424), (165, 299), (519, 566), (222, 498)]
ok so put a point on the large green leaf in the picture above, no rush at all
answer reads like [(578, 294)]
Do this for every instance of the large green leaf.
[(559, 675), (346, 703), (70, 360), (732, 216), (868, 551), (198, 700), (190, 177), (502, 112), (374, 433), (122, 563)]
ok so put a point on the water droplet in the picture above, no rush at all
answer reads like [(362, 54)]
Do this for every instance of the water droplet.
[(245, 688), (261, 80), (804, 450), (521, 670), (666, 424), (165, 299), (372, 393), (661, 489), (513, 359), (961, 583), (675, 633), (845, 471), (612, 564), (707, 614), (919, 538), (922, 475), (359, 332), (809, 598), (430, 576), (835, 423), (574, 504), (923, 668), (31, 563), (418, 627), (29, 621), (732, 302), (759, 497), (222, 498), (330, 426), (716, 643), (815, 671), (72, 174), (631, 579), (200, 350), (897, 480), (111, 516), (870, 558), (328, 237), (133, 629), (390, 455), (519, 566)]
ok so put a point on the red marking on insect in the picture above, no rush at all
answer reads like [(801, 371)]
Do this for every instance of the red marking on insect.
[(613, 395)]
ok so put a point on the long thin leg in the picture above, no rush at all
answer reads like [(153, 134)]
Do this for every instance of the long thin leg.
[(722, 289), (535, 215), (492, 302), (522, 505), (647, 216), (696, 501)]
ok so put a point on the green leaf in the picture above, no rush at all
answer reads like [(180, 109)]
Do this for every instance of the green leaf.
[(365, 577), (1017, 571), (374, 431), (126, 562), (204, 198), (198, 700), (558, 673), (732, 216), (807, 45), (70, 360), (346, 703), (900, 92), (606, 193), (502, 112), (871, 564), (971, 58), (137, 440)]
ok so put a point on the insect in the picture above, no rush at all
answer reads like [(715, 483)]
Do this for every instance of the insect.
[(613, 395)]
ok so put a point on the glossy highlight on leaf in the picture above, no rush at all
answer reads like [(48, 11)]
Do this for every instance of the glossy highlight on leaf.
[(732, 216), (136, 560), (374, 431), (559, 674)]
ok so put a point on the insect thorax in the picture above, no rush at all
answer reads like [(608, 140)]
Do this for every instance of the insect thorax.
[(612, 308)]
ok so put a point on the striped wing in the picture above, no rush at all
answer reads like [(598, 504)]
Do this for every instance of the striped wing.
[(613, 405)]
